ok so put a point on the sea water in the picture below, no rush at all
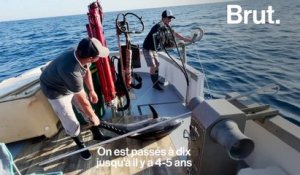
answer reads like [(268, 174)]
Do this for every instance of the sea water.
[(239, 57)]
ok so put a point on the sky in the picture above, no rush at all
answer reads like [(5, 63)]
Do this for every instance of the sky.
[(29, 9)]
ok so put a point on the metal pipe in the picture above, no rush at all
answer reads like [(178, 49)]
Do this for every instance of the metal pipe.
[(227, 133)]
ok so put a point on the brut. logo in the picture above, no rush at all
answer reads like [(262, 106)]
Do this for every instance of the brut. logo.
[(236, 15)]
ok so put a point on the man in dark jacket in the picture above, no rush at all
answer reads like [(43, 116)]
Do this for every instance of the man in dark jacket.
[(151, 44)]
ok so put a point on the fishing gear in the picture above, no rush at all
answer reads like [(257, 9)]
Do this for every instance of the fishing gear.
[(196, 35), (123, 25), (183, 68), (128, 50), (166, 39), (121, 86), (129, 57)]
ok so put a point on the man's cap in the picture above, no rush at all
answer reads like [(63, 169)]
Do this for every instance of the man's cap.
[(167, 14), (91, 47)]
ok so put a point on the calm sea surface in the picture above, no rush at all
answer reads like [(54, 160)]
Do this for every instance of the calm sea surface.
[(234, 57)]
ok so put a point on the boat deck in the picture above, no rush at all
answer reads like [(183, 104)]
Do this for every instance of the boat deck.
[(167, 104)]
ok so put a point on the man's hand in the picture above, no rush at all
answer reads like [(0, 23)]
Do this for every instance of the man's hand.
[(93, 97), (84, 103), (189, 40), (95, 120)]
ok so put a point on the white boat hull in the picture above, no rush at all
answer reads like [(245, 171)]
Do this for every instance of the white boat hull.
[(25, 112)]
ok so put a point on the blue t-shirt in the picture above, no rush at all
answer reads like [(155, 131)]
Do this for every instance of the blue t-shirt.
[(148, 42), (62, 76)]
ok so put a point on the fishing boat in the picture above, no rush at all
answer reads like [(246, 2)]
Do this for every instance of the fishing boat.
[(195, 136)]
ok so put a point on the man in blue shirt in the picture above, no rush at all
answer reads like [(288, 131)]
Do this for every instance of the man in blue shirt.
[(151, 44)]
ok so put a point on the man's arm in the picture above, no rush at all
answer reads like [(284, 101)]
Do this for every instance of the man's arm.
[(81, 98), (177, 35), (89, 83)]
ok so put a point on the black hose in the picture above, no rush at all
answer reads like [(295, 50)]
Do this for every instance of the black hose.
[(122, 26), (183, 68), (124, 88), (120, 84)]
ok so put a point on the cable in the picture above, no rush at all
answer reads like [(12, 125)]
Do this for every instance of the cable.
[(183, 70), (163, 37), (203, 71)]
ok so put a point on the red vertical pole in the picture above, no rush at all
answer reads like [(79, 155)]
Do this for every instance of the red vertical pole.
[(95, 29)]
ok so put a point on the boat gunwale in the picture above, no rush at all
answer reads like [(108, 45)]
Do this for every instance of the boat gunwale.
[(277, 125)]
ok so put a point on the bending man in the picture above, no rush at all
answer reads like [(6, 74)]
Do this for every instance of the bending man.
[(62, 82)]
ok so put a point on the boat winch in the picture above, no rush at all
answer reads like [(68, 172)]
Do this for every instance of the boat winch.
[(216, 140)]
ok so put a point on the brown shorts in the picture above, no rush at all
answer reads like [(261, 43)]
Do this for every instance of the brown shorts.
[(151, 58)]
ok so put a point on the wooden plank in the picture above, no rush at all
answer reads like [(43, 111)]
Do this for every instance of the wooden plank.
[(42, 149), (134, 144)]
